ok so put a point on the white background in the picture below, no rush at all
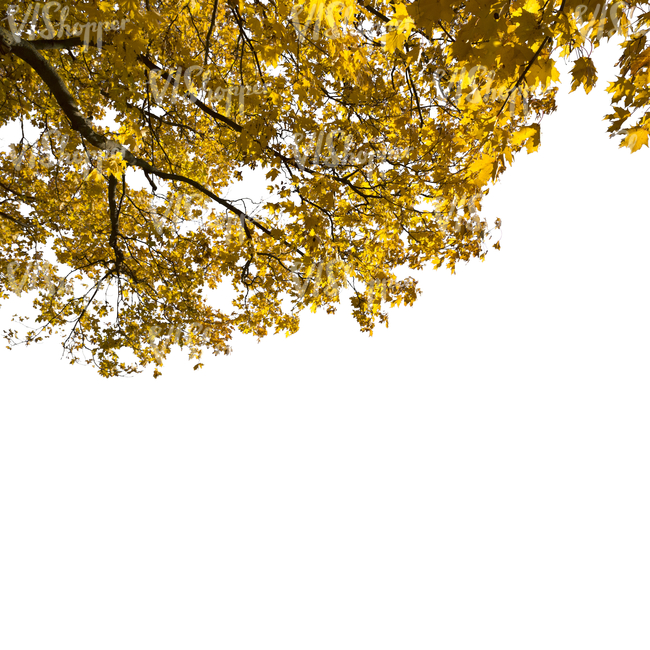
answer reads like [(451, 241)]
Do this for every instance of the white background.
[(475, 476)]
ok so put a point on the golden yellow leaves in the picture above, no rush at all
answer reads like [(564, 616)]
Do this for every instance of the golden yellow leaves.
[(632, 89), (584, 73), (428, 12), (532, 6), (399, 27), (116, 165), (483, 168), (530, 135), (640, 61), (95, 177), (635, 138), (132, 7), (622, 89), (318, 19), (345, 207), (617, 118), (542, 73)]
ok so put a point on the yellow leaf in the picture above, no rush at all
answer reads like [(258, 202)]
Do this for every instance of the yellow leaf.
[(636, 138), (483, 168), (584, 73), (427, 12), (533, 6), (94, 176), (530, 135), (394, 41), (640, 61), (542, 73)]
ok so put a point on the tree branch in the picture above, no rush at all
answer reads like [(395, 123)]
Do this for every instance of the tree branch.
[(193, 98), (207, 40), (21, 224), (112, 206), (62, 44), (26, 51)]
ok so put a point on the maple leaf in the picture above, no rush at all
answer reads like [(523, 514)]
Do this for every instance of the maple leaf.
[(530, 135), (483, 169), (636, 138), (640, 61), (584, 74), (542, 73), (426, 13)]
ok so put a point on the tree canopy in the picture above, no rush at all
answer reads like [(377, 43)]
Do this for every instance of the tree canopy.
[(130, 129)]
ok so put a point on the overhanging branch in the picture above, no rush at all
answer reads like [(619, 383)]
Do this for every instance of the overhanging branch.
[(28, 53)]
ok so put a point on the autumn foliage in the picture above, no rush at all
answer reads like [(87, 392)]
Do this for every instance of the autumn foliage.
[(132, 128)]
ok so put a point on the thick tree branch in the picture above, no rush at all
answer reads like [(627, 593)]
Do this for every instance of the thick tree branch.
[(61, 44), (26, 51), (112, 206)]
